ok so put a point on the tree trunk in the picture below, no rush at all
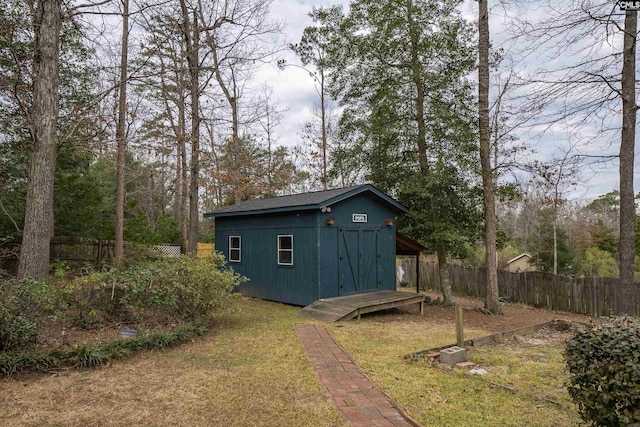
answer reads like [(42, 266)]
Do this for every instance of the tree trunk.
[(443, 269), (232, 99), (184, 228), (555, 244), (194, 214), (121, 138), (491, 302), (268, 129), (38, 221), (183, 177), (192, 43), (627, 143), (418, 82), (324, 130), (177, 213)]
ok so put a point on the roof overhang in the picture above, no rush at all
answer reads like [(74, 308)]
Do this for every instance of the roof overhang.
[(263, 211), (407, 246), (384, 198), (522, 255)]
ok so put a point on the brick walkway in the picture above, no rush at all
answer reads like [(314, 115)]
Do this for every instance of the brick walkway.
[(359, 399)]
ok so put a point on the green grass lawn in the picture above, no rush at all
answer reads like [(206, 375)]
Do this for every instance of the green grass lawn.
[(440, 397), (251, 370)]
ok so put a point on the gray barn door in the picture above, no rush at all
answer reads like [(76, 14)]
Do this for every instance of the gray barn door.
[(358, 260)]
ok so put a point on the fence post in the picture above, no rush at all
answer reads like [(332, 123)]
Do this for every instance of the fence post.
[(99, 260), (459, 326), (418, 273)]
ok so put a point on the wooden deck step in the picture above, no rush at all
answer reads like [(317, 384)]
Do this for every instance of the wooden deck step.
[(350, 306)]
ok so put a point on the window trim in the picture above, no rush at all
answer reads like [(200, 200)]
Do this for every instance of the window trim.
[(239, 249), (285, 250)]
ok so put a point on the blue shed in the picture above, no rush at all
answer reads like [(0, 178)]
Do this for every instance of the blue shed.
[(300, 248)]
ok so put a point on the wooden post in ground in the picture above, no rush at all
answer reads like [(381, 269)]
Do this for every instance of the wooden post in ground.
[(459, 326), (418, 273), (99, 260)]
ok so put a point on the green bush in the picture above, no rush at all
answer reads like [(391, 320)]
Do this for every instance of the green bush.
[(604, 371), (17, 332), (91, 300), (24, 306), (183, 287), (178, 290), (136, 255), (160, 290)]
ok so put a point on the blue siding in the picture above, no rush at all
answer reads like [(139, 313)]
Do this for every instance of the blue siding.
[(330, 242), (296, 284), (317, 268)]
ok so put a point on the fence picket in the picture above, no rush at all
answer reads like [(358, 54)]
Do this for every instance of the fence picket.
[(596, 296), (79, 251)]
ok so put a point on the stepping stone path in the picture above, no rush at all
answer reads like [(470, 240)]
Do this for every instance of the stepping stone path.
[(354, 394)]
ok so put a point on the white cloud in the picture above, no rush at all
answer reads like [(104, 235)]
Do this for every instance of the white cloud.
[(295, 89)]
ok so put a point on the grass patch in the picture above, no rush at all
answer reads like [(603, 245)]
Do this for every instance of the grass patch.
[(534, 370), (250, 370), (438, 397)]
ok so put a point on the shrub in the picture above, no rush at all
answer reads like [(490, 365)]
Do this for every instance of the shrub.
[(24, 305), (136, 255), (17, 332), (603, 361), (163, 290), (183, 287), (91, 299)]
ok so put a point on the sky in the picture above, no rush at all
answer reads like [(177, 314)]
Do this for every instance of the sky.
[(293, 86), (294, 89)]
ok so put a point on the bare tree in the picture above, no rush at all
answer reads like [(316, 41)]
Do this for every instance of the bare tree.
[(121, 137), (317, 146), (627, 150), (231, 32), (313, 50), (269, 115), (491, 302), (554, 177), (191, 33), (42, 119), (588, 89)]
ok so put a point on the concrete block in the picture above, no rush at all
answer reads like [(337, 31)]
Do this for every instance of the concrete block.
[(453, 355)]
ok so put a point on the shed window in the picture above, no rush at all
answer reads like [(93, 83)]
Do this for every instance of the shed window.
[(285, 250), (235, 248)]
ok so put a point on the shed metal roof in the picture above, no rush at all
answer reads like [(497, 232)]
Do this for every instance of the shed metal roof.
[(303, 201)]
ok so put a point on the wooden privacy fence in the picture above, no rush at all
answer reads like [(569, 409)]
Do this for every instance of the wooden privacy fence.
[(205, 249), (595, 296), (76, 250), (71, 249)]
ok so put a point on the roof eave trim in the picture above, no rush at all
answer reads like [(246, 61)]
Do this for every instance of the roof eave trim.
[(522, 255), (263, 211), (361, 189)]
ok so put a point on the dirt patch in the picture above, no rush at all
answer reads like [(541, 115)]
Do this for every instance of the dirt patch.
[(545, 337), (514, 315)]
